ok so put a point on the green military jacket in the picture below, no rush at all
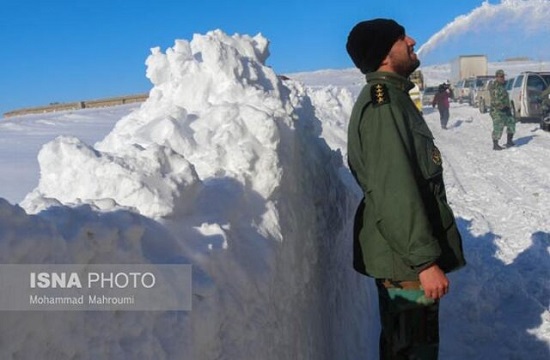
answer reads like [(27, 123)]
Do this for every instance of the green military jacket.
[(403, 224)]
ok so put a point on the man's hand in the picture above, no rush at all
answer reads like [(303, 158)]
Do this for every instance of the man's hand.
[(434, 282)]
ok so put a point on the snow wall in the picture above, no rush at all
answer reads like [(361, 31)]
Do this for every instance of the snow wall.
[(224, 167)]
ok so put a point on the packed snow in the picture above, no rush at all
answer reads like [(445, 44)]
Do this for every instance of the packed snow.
[(242, 174)]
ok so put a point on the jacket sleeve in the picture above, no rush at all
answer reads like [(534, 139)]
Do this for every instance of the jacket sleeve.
[(397, 186)]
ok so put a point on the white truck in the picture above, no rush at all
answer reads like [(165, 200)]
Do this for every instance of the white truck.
[(467, 66), (464, 70)]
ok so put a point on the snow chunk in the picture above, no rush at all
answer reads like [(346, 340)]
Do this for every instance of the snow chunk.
[(156, 181)]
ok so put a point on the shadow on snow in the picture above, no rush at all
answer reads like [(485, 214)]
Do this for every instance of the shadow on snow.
[(499, 304)]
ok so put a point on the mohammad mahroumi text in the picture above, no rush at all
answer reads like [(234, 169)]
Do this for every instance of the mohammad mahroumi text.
[(141, 287)]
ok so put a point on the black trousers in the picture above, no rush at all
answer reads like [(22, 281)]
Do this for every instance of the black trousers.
[(410, 323), (443, 116)]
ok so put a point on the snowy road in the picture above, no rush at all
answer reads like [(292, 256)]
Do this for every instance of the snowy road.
[(507, 192), (502, 201)]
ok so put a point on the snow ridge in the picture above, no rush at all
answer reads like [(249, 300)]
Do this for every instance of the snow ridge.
[(223, 167)]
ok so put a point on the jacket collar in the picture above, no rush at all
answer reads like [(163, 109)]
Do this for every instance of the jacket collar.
[(390, 78)]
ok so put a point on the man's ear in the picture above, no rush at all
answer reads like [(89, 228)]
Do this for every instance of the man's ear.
[(385, 64)]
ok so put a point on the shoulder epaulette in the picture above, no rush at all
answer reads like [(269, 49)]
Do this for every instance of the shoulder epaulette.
[(379, 94)]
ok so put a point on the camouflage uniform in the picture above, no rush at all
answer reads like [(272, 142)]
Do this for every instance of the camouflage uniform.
[(500, 111)]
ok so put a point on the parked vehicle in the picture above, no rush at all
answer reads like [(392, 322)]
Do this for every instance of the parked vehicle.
[(477, 85), (462, 90), (525, 94), (484, 97), (418, 78), (467, 66), (428, 95), (416, 97), (508, 84)]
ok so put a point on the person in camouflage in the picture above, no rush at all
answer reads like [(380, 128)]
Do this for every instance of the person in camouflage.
[(500, 112)]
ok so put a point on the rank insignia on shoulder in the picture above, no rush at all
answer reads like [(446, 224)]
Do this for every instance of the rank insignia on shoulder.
[(379, 94), (436, 156)]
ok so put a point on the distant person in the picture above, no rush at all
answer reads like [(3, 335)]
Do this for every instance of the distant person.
[(442, 100), (405, 235), (500, 112)]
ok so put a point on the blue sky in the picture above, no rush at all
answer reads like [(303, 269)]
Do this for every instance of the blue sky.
[(69, 50)]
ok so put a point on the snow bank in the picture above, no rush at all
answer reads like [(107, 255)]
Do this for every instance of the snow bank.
[(224, 167)]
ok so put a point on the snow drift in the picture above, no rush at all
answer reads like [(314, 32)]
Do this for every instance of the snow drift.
[(224, 167)]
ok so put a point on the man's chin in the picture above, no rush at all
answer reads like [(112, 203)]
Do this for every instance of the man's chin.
[(415, 62)]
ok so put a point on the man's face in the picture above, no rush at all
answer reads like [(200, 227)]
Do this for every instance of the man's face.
[(501, 79), (402, 57)]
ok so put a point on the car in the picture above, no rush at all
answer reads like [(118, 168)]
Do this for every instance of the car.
[(462, 90), (484, 97), (508, 84), (525, 94), (428, 95), (476, 86)]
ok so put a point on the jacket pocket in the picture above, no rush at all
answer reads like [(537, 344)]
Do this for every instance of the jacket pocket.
[(428, 155), (430, 164)]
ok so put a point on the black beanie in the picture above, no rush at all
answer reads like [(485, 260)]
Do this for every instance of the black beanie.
[(369, 42)]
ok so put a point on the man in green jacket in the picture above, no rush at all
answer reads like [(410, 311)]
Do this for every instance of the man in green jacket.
[(405, 232)]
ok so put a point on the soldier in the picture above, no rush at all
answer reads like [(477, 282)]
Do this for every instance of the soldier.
[(500, 112), (405, 234)]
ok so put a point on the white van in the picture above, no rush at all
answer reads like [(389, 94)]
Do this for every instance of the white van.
[(525, 94)]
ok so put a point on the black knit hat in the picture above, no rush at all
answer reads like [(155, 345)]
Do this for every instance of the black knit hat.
[(370, 41)]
